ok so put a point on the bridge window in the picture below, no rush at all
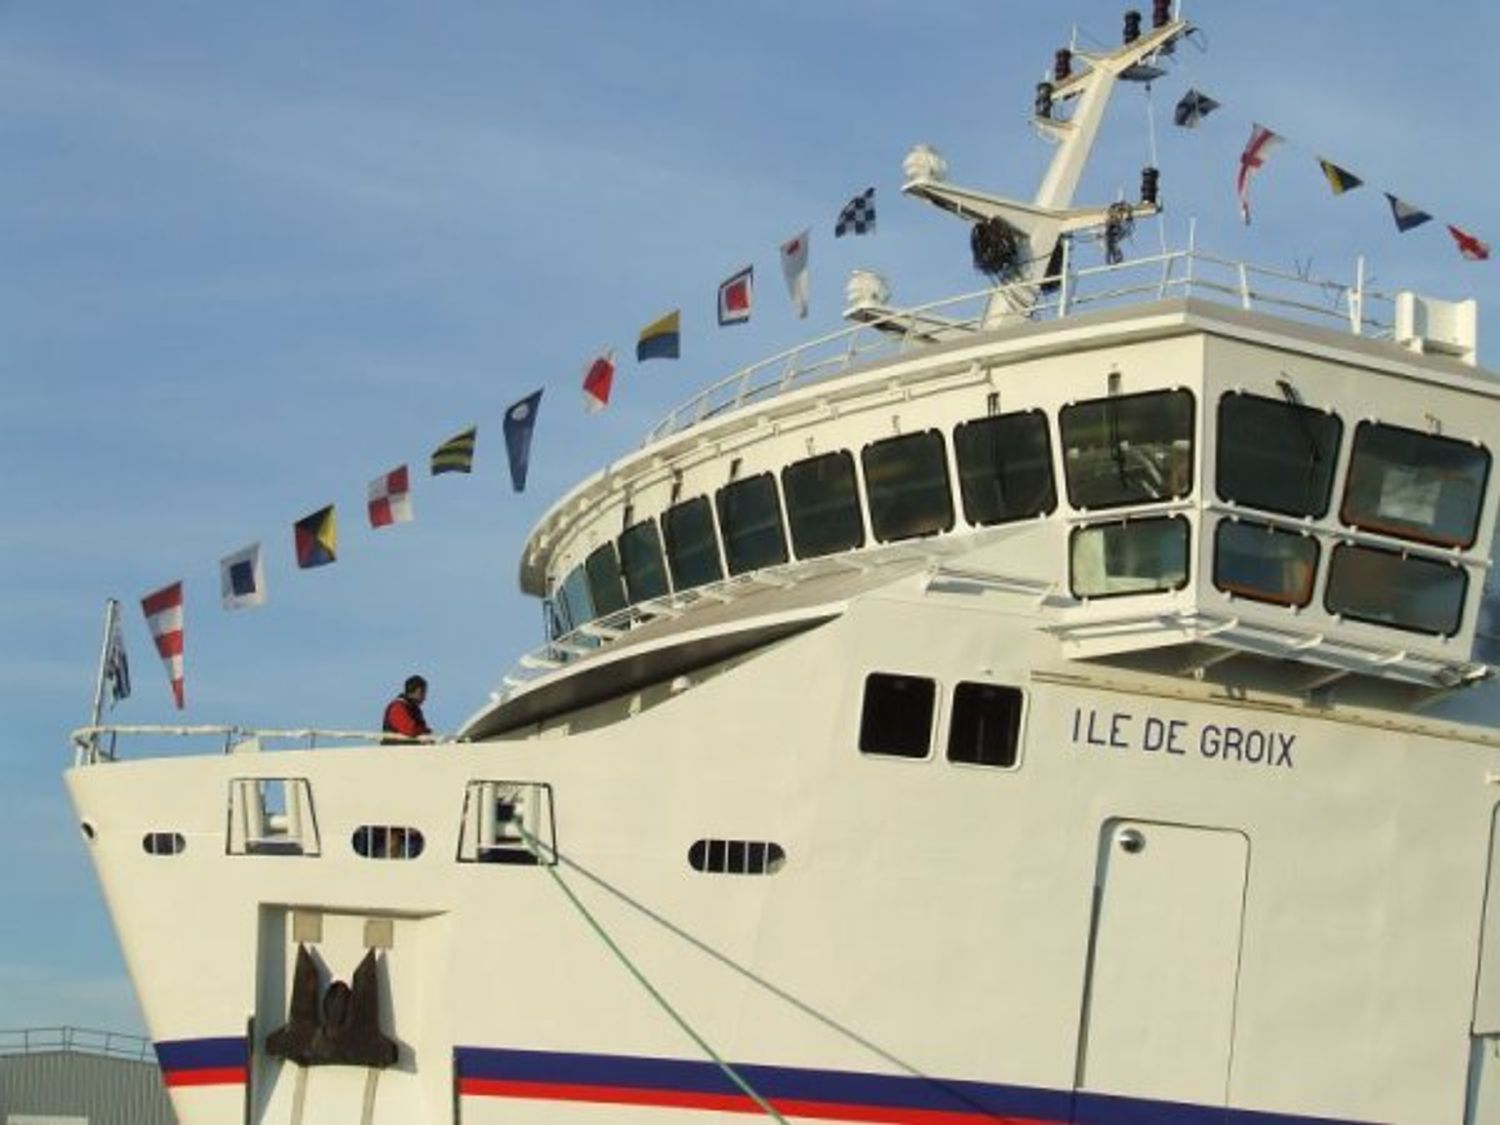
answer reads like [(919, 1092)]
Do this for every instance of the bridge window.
[(985, 727), (906, 482), (897, 717), (1128, 449), (1129, 557), (574, 605), (692, 546), (1415, 485), (736, 857), (642, 562), (1390, 588), (1005, 467), (750, 518), (1276, 455), (605, 589), (1255, 560), (822, 505)]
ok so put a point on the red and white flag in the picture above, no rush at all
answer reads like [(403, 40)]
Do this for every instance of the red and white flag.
[(163, 610), (794, 269), (1469, 246), (1252, 160), (390, 498), (598, 378), (735, 296)]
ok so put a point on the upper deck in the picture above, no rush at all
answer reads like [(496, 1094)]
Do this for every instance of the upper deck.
[(1217, 473)]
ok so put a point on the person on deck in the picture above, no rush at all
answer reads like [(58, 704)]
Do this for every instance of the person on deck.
[(403, 715)]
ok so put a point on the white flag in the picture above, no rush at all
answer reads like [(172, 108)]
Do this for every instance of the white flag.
[(241, 579), (794, 269)]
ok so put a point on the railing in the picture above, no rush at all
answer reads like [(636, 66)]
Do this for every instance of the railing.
[(81, 1040), (97, 744), (1181, 273)]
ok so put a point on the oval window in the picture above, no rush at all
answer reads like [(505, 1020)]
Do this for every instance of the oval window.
[(387, 841)]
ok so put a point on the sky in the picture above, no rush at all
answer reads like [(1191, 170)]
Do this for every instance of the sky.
[(254, 255)]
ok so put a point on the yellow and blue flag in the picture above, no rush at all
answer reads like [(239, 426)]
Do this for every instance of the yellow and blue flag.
[(456, 455), (661, 339), (317, 538), (1339, 179)]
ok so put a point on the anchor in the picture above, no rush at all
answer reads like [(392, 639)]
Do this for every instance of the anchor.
[(346, 1032)]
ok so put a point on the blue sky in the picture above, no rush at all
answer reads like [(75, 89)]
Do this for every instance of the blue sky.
[(253, 255)]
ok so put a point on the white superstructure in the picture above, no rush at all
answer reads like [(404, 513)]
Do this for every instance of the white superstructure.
[(1064, 704)]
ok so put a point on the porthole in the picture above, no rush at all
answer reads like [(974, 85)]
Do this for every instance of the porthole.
[(163, 843), (387, 841), (736, 857)]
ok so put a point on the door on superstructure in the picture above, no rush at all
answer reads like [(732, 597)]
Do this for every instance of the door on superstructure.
[(1158, 1007)]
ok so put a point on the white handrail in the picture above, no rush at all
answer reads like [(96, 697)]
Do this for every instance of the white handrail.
[(1239, 283), (96, 743)]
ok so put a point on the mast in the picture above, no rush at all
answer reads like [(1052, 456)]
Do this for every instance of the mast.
[(1051, 215)]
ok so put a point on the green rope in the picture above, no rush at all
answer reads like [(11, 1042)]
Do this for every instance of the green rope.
[(703, 1045)]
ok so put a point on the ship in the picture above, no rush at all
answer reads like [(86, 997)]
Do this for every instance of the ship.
[(1069, 702)]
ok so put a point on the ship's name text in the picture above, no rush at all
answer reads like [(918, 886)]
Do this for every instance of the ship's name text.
[(1154, 734)]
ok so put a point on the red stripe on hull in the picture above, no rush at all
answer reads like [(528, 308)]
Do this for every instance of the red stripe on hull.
[(730, 1103), (208, 1076)]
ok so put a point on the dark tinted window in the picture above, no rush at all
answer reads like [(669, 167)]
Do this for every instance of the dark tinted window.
[(822, 505), (1277, 455), (605, 589), (897, 715), (387, 841), (1129, 557), (642, 562), (1415, 485), (736, 857), (750, 520), (692, 546), (985, 728), (163, 843), (1255, 560), (906, 484), (1387, 588), (1005, 467), (1128, 449)]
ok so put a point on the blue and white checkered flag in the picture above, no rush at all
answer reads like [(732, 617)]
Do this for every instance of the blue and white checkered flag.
[(858, 215)]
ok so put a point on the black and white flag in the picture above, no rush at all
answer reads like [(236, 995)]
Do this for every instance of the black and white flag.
[(858, 215)]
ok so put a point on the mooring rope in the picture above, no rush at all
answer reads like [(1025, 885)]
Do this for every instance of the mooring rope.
[(733, 1075)]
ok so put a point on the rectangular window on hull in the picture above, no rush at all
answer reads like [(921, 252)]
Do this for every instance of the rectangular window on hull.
[(1275, 455), (1128, 449), (896, 719), (985, 728), (642, 563), (1255, 560), (692, 546), (1005, 467), (906, 484), (750, 518), (605, 588), (577, 606), (1414, 485), (1389, 588), (1129, 557), (822, 505)]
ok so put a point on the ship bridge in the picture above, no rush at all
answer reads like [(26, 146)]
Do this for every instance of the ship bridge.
[(1211, 480)]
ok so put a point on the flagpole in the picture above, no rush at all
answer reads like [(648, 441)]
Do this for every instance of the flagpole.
[(111, 611)]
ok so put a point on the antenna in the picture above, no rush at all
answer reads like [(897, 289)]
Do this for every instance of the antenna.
[(1050, 216)]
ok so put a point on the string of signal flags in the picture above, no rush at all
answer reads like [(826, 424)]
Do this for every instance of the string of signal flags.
[(1195, 105), (315, 537)]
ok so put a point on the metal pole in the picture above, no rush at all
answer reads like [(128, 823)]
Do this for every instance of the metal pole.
[(111, 610)]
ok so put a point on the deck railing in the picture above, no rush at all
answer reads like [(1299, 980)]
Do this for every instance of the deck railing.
[(1182, 273), (97, 744)]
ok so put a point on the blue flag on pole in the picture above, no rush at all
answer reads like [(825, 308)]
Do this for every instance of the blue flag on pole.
[(520, 420)]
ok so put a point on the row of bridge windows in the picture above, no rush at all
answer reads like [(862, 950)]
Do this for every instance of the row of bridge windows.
[(1276, 456)]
